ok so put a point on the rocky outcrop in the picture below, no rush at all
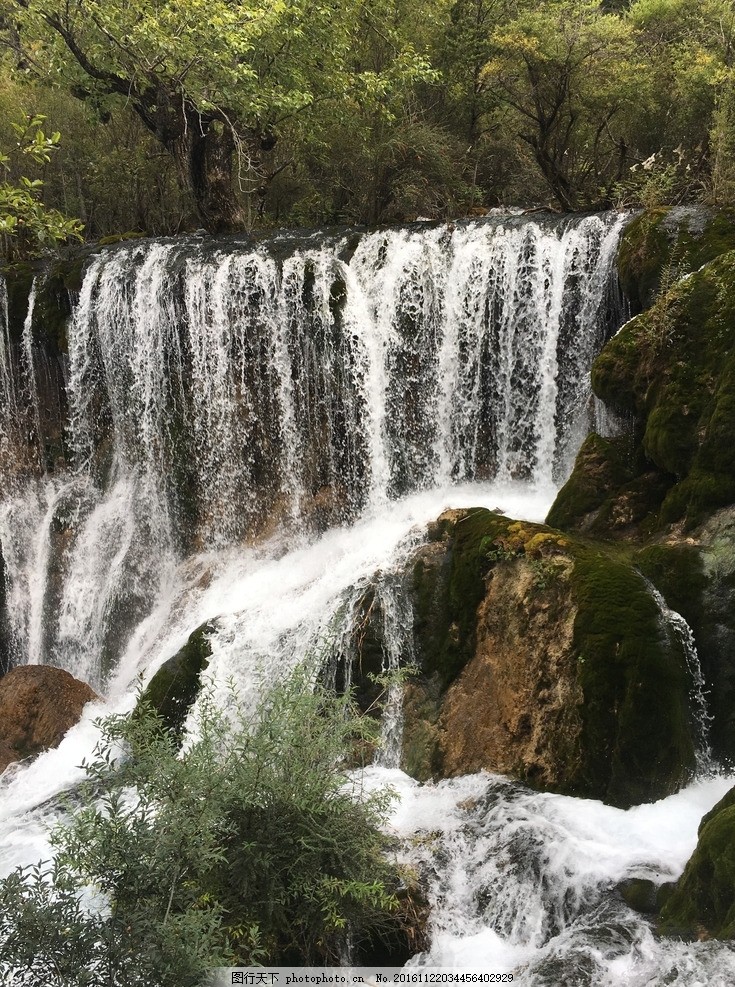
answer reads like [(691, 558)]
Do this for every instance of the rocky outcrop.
[(175, 686), (702, 904), (673, 370), (38, 705), (516, 705), (665, 487), (544, 656)]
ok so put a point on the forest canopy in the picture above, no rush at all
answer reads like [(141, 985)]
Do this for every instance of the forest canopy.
[(178, 114)]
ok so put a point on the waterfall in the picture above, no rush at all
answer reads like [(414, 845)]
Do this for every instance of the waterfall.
[(215, 390), (524, 882), (244, 384), (255, 436)]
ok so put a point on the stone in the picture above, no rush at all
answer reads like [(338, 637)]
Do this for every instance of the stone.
[(515, 707), (38, 705), (175, 685)]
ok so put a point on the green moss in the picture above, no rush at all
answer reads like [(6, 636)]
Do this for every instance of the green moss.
[(175, 686), (673, 370), (677, 572), (421, 756), (662, 245), (439, 610), (448, 588), (614, 371), (106, 241), (644, 250), (601, 466), (636, 738), (705, 894), (634, 506)]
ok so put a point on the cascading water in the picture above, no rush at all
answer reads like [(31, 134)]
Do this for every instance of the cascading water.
[(224, 402), (698, 693), (214, 392)]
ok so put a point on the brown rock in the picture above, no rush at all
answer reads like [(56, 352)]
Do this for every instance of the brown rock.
[(7, 755), (515, 707), (38, 704)]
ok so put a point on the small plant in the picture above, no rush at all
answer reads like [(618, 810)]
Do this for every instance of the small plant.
[(497, 551), (543, 572)]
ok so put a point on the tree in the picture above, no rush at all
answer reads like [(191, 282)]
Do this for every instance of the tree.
[(214, 81), (253, 845), (690, 48), (27, 226), (568, 72)]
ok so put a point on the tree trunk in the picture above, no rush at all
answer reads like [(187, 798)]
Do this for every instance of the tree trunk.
[(555, 176), (204, 154)]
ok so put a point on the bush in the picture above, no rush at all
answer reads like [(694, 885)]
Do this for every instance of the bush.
[(251, 846)]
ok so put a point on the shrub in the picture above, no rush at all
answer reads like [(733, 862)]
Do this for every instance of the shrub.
[(253, 845)]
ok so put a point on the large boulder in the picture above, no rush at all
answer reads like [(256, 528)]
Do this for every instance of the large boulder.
[(667, 483), (673, 370), (545, 656), (38, 704)]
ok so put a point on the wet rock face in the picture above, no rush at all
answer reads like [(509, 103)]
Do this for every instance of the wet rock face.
[(543, 656), (38, 705), (702, 904), (517, 704)]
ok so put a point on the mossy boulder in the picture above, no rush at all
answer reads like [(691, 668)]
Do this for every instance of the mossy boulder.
[(448, 585), (662, 245), (637, 728), (640, 894), (545, 656), (674, 368), (671, 373), (703, 902), (175, 686)]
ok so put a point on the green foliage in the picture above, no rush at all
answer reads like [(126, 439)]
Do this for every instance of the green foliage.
[(567, 71), (220, 81), (27, 227), (230, 113), (253, 845), (599, 469)]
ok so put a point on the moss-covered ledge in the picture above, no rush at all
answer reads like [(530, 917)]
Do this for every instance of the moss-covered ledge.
[(671, 373)]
